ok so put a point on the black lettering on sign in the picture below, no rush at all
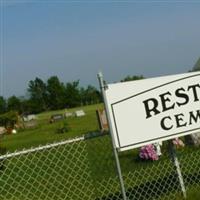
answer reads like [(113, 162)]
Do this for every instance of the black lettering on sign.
[(180, 93), (194, 118), (168, 101), (164, 99), (179, 119), (164, 125), (194, 89), (151, 106)]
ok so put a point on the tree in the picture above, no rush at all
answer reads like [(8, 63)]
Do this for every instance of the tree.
[(91, 95), (38, 95), (197, 66), (83, 97), (132, 78), (8, 119), (55, 93), (27, 106), (14, 104), (2, 105), (72, 94)]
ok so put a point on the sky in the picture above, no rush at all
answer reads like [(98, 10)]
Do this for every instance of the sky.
[(74, 40)]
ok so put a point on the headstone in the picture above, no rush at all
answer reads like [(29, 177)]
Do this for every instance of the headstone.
[(29, 118), (102, 119), (56, 117), (196, 138), (68, 114), (193, 139), (79, 113), (30, 124), (2, 130)]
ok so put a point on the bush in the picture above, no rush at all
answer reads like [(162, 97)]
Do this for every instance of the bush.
[(8, 119)]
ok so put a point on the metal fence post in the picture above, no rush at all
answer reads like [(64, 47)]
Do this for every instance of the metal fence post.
[(178, 169), (103, 87)]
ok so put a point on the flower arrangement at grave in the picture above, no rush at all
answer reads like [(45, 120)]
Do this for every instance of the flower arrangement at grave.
[(148, 152)]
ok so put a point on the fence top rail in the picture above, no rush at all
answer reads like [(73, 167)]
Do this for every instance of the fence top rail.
[(40, 148)]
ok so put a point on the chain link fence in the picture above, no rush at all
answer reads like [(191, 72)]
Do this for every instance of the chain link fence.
[(84, 169)]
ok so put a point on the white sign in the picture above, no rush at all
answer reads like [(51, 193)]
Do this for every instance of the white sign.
[(157, 109)]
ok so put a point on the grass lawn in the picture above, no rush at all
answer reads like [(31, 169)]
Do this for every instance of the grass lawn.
[(47, 133), (86, 170)]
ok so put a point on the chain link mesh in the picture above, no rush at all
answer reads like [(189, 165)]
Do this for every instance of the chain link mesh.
[(84, 169)]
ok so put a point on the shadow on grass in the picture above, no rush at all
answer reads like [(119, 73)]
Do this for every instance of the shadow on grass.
[(148, 190), (156, 189)]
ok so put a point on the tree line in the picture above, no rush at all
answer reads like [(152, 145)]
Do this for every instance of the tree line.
[(54, 94), (50, 95)]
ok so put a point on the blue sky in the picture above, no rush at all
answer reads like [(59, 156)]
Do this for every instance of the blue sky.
[(76, 39)]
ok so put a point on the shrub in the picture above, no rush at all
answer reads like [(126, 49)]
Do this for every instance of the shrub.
[(8, 119)]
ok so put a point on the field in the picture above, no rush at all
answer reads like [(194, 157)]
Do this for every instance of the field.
[(45, 132), (86, 170)]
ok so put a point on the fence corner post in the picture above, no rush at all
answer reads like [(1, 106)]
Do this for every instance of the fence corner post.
[(103, 87)]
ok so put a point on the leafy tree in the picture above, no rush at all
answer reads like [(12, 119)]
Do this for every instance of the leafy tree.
[(27, 106), (2, 105), (14, 104), (91, 95), (72, 94), (52, 95), (132, 78), (8, 119), (83, 97), (55, 93), (197, 66), (38, 95)]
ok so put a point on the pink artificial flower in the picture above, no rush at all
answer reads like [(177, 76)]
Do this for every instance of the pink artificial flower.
[(148, 152)]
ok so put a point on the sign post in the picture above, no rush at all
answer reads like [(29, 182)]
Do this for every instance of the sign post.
[(152, 110), (103, 87)]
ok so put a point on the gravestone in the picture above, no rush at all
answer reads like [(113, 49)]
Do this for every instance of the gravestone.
[(193, 139), (30, 124), (196, 138), (56, 117), (68, 114), (102, 119), (2, 130), (79, 113), (27, 118)]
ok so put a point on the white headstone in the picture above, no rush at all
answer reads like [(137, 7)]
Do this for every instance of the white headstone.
[(79, 113), (68, 114), (29, 118), (2, 130), (196, 138)]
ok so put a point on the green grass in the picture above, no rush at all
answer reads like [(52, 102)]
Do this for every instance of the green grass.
[(87, 169), (47, 174), (193, 194), (45, 132)]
